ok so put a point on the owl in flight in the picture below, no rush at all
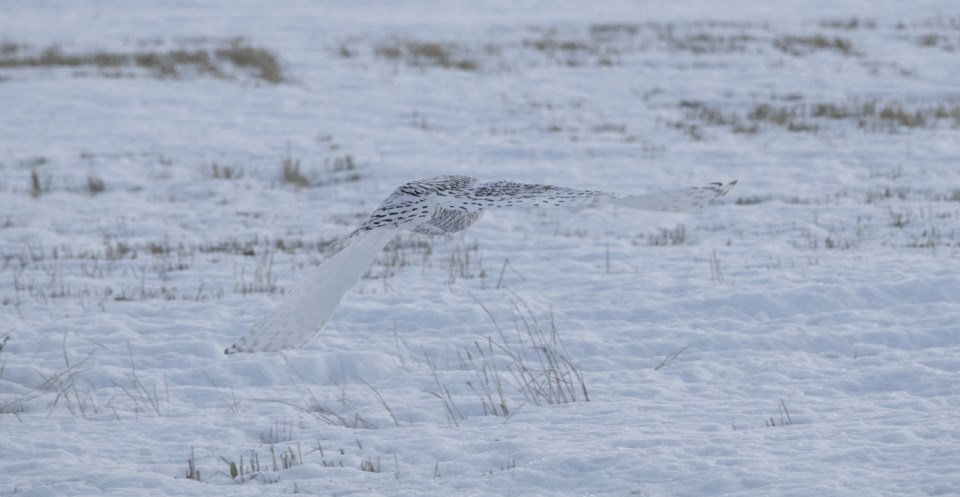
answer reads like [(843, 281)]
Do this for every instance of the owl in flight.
[(436, 206)]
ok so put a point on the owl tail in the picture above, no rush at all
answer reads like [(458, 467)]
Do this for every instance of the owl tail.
[(301, 315), (686, 200)]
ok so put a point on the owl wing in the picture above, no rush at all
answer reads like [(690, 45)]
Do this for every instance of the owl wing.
[(684, 200), (301, 315), (496, 194)]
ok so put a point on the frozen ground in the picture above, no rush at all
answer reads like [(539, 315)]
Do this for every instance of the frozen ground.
[(801, 337)]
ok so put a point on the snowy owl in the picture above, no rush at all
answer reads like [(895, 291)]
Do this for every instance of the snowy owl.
[(436, 206)]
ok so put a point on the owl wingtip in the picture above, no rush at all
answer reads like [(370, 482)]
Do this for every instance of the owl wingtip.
[(724, 188)]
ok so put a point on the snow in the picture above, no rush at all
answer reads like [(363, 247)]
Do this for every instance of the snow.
[(799, 337)]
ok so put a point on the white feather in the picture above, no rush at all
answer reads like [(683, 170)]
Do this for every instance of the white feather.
[(303, 313), (685, 200)]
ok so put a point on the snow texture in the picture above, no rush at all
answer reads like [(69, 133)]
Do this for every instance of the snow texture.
[(165, 183)]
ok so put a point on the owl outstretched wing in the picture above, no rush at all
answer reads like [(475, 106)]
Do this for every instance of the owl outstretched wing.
[(446, 204), (301, 315)]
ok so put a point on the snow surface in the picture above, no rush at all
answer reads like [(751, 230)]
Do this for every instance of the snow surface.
[(827, 283)]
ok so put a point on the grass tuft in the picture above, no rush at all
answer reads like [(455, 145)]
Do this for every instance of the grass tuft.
[(537, 360), (192, 472), (427, 54), (799, 46), (279, 431), (667, 359), (370, 465), (664, 237), (261, 61), (263, 280), (8, 49), (814, 117), (36, 189), (95, 185), (850, 24), (169, 64), (292, 175), (784, 416), (225, 172), (782, 419)]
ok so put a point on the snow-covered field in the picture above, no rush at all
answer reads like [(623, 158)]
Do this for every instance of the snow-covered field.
[(168, 170)]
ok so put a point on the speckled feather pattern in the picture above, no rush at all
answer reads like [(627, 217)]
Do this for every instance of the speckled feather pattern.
[(448, 204)]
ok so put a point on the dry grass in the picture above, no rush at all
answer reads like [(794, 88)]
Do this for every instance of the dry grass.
[(95, 185), (805, 45), (225, 172), (291, 173), (336, 170), (704, 42), (54, 56), (260, 63), (343, 169), (867, 115), (607, 44), (664, 237), (574, 52), (534, 355), (931, 40), (549, 44), (35, 188), (850, 24), (426, 54), (169, 64), (259, 60), (8, 49), (613, 30)]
